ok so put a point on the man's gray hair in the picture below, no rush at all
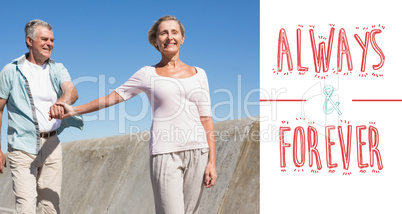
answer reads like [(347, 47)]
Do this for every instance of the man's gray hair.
[(30, 28)]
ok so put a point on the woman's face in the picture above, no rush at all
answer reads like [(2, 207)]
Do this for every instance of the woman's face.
[(169, 37)]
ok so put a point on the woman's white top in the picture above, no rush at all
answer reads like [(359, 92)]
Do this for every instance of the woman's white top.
[(177, 105)]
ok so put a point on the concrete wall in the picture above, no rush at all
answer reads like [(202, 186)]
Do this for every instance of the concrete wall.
[(111, 175)]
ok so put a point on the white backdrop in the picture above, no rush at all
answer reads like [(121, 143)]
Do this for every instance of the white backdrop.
[(331, 190)]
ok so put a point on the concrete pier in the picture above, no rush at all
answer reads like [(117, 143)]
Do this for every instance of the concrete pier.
[(111, 175)]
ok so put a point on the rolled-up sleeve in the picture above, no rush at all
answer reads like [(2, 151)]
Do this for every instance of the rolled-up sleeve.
[(5, 84), (64, 75)]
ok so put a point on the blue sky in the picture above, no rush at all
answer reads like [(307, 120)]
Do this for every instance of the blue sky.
[(103, 43)]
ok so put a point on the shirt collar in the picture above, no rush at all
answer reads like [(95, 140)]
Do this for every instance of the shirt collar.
[(20, 60)]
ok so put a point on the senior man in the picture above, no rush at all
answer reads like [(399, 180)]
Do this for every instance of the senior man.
[(30, 86)]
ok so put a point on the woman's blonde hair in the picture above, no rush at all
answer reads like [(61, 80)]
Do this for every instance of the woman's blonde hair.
[(154, 29)]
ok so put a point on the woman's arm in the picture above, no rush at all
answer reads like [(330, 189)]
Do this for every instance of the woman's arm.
[(210, 170), (95, 105)]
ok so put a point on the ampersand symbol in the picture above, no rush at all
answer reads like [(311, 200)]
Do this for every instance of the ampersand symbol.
[(328, 90)]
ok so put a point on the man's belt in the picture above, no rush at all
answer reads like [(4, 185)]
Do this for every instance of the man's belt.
[(47, 134)]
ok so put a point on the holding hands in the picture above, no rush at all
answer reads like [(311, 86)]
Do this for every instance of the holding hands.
[(61, 110)]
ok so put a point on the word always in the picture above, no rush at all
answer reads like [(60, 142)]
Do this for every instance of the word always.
[(322, 56)]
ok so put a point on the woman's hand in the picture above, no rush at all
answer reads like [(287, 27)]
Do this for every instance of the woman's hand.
[(210, 175), (210, 171)]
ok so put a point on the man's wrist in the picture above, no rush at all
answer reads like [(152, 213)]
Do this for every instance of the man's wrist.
[(62, 100)]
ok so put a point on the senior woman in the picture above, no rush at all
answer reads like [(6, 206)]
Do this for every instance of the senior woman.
[(182, 144)]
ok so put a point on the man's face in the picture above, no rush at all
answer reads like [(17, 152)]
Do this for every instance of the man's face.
[(42, 45)]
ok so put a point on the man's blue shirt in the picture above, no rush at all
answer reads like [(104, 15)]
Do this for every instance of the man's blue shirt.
[(22, 133)]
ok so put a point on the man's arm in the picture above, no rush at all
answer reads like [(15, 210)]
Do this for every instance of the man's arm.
[(2, 157), (210, 170), (69, 96)]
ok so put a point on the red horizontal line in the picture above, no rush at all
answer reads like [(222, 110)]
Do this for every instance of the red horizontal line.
[(289, 100), (375, 100)]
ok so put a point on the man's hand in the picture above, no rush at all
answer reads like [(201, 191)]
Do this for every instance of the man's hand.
[(2, 161), (56, 112), (65, 112), (2, 157), (210, 175)]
